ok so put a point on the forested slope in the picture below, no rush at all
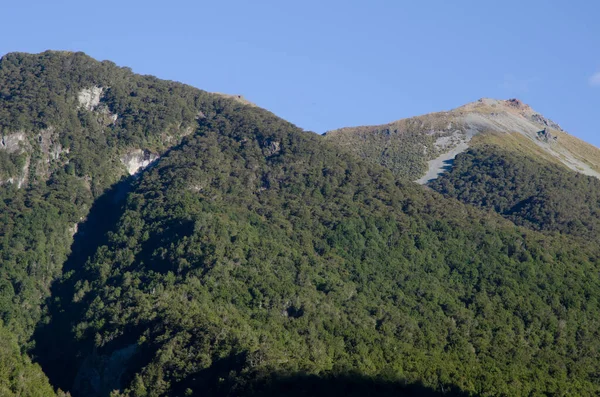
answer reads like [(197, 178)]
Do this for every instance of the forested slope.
[(18, 376), (254, 258), (68, 123), (529, 192), (255, 250)]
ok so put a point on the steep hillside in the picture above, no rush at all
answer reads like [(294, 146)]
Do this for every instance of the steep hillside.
[(421, 148), (70, 127), (218, 249), (532, 193), (255, 252), (498, 155)]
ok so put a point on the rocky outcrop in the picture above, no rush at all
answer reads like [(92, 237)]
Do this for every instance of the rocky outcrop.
[(12, 142), (436, 138), (20, 178), (545, 136), (15, 144), (89, 98), (539, 119), (137, 160)]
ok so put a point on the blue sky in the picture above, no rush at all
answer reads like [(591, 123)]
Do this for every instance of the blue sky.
[(328, 64)]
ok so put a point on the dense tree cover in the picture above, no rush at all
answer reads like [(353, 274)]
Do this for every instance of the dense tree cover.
[(66, 156), (256, 259), (36, 226), (56, 157), (535, 194), (255, 248), (39, 97), (18, 376)]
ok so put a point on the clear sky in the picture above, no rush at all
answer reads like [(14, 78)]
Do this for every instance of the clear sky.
[(332, 63)]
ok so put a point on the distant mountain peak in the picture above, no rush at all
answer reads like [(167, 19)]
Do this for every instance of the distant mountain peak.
[(512, 106), (509, 103), (430, 142)]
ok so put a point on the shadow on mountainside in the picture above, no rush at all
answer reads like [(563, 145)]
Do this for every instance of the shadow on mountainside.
[(301, 385), (74, 365), (62, 356), (56, 349)]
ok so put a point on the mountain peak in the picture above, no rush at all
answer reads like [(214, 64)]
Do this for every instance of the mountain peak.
[(499, 109), (433, 140), (512, 103)]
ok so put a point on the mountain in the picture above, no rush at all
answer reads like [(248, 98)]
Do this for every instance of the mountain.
[(70, 128), (498, 155), (420, 148), (183, 242)]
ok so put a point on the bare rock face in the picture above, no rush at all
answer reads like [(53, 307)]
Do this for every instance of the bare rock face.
[(516, 103), (89, 98), (73, 229), (15, 143), (12, 142), (21, 178), (539, 119), (137, 160), (546, 136)]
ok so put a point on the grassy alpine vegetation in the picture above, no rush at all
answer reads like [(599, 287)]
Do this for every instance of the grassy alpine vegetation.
[(403, 146)]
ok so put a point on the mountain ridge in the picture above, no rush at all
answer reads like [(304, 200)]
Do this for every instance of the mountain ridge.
[(437, 138)]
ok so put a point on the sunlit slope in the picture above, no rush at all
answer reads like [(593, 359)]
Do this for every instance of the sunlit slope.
[(256, 250), (422, 147)]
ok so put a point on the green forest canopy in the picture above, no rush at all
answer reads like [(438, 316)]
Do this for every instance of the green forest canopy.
[(254, 251)]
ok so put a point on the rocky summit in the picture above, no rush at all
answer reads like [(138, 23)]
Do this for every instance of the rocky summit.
[(422, 147)]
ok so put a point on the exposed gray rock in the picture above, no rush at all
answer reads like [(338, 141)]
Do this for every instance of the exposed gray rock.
[(12, 142), (89, 98), (74, 229), (546, 136), (19, 179), (137, 160), (538, 118)]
